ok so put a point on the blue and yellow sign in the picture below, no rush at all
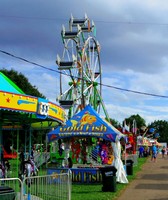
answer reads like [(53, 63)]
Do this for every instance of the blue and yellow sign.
[(42, 108), (86, 123)]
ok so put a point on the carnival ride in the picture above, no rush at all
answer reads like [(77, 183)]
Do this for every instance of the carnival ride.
[(7, 155), (19, 111), (80, 68)]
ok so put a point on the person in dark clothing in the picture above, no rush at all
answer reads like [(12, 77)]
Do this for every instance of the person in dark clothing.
[(22, 159), (2, 157), (70, 163), (141, 151), (163, 151), (32, 153)]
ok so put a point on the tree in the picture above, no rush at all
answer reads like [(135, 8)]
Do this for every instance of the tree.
[(114, 122), (22, 82), (140, 122), (161, 127)]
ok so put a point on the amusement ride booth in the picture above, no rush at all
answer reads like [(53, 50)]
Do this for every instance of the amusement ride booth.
[(19, 112)]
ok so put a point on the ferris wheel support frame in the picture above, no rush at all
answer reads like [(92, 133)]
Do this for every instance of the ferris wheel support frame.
[(82, 65)]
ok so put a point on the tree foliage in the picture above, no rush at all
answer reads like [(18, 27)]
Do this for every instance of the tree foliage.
[(22, 82), (115, 123), (139, 120), (161, 127)]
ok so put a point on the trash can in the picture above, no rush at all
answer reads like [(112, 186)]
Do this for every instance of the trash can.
[(108, 178), (129, 167), (7, 193)]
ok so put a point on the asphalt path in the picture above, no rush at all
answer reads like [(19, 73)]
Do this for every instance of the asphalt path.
[(151, 182)]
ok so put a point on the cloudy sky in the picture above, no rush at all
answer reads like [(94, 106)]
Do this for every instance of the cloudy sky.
[(134, 49)]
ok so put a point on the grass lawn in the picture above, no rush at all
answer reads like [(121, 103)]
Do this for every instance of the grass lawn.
[(94, 192)]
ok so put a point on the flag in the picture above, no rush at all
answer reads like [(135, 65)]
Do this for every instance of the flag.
[(134, 126), (126, 127)]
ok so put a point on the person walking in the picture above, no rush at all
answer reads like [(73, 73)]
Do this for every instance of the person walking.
[(163, 151), (154, 153), (141, 151)]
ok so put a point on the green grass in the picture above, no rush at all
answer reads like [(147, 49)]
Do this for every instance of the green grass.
[(94, 192)]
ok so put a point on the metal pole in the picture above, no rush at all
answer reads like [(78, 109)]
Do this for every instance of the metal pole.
[(25, 150), (1, 142), (69, 184), (17, 151), (30, 134), (46, 155), (41, 152), (125, 160)]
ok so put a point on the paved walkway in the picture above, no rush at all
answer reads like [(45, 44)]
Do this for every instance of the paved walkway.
[(151, 182)]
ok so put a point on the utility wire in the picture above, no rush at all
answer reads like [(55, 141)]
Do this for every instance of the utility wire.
[(25, 60), (99, 21), (109, 86), (134, 91), (132, 23)]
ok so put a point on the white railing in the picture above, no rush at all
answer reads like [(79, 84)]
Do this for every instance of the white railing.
[(41, 158), (94, 158)]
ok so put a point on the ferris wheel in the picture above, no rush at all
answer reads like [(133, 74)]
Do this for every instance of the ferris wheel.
[(80, 68)]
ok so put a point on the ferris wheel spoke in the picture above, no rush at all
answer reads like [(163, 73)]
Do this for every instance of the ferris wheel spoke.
[(88, 89)]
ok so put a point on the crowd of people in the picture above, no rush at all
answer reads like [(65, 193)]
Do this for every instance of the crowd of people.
[(152, 151)]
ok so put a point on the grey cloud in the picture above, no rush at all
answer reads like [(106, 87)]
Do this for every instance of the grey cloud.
[(31, 29)]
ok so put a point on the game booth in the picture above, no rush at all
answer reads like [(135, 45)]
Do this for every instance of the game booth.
[(85, 144)]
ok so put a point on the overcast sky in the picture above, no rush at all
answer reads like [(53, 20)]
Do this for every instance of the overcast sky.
[(134, 48)]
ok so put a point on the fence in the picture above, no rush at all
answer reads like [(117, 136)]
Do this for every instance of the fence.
[(10, 189), (49, 187)]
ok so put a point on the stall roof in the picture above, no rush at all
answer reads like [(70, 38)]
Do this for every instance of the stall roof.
[(9, 86), (86, 123)]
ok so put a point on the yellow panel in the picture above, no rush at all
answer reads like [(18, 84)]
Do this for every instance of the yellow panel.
[(18, 102), (24, 103), (56, 111)]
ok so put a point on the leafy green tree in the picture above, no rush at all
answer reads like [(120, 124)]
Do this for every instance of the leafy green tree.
[(140, 122), (161, 127), (22, 82), (115, 123)]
